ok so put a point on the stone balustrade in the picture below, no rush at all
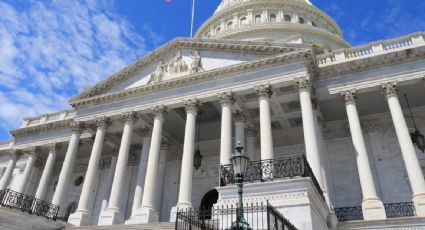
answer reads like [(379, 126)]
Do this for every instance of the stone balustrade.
[(372, 49), (47, 118)]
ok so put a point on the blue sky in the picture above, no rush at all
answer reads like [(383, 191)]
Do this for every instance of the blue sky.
[(51, 49)]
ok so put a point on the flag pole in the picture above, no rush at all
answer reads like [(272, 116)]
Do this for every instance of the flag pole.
[(193, 18)]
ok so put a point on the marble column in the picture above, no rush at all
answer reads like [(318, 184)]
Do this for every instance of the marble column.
[(311, 141), (106, 189), (14, 156), (408, 151), (226, 101), (147, 212), (83, 215), (141, 174), (21, 187), (186, 175), (161, 177), (68, 165), (372, 206), (251, 138), (112, 215), (47, 172), (240, 117), (264, 92)]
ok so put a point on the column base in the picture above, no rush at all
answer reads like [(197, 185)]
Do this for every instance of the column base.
[(80, 218), (373, 209), (175, 209), (419, 203), (143, 215), (111, 217)]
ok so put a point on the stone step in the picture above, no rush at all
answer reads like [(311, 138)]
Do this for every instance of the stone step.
[(150, 226)]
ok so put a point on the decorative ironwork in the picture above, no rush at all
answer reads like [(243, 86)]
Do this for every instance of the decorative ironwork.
[(349, 213), (269, 170), (259, 216), (12, 199), (400, 210)]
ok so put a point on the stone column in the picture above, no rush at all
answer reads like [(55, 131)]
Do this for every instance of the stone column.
[(373, 208), (264, 92), (140, 182), (68, 165), (83, 215), (161, 177), (240, 117), (408, 151), (147, 212), (106, 189), (226, 101), (14, 156), (25, 177), (251, 137), (112, 215), (311, 141), (186, 175), (47, 172)]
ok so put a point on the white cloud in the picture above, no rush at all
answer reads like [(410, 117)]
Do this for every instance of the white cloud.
[(50, 50)]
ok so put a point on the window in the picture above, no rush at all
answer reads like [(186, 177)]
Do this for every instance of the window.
[(229, 25), (272, 17), (301, 20), (243, 21), (288, 18), (313, 24), (257, 18), (79, 181), (218, 29)]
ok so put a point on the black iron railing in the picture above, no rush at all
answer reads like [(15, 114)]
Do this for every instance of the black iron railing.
[(29, 204), (258, 216), (269, 170), (349, 213), (400, 210)]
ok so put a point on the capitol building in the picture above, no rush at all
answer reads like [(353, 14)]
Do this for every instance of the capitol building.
[(333, 133)]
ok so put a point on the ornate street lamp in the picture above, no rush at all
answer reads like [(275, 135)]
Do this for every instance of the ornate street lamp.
[(239, 162), (197, 159), (416, 136)]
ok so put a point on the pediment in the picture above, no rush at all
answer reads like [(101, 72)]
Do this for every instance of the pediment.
[(184, 57)]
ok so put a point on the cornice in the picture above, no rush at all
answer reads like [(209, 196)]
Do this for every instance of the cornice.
[(222, 46), (217, 74), (41, 128)]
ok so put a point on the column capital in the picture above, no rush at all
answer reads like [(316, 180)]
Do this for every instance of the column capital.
[(226, 98), (303, 84), (102, 122), (192, 105), (264, 91), (239, 116), (53, 146), (15, 153), (147, 131), (130, 116), (160, 111), (77, 126), (349, 97), (250, 131), (389, 89)]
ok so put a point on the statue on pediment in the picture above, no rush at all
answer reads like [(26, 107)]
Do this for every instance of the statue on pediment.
[(159, 73), (196, 65), (178, 65)]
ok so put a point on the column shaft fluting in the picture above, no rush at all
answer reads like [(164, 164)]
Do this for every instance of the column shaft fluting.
[(250, 143), (68, 165), (47, 172), (85, 204), (226, 101), (185, 191), (264, 93), (161, 178), (115, 199), (108, 184)]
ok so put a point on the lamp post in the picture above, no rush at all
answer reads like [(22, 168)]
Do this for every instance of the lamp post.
[(239, 162), (416, 136)]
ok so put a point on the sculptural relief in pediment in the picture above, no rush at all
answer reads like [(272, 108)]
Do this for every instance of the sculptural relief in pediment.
[(176, 67)]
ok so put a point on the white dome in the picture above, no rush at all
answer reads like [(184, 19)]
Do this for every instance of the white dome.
[(295, 21)]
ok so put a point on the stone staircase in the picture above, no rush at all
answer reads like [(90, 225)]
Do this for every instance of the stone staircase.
[(150, 226)]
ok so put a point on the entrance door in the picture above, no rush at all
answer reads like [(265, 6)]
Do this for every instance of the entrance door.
[(208, 201)]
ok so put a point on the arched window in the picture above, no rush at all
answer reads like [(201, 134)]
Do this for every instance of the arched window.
[(301, 20), (229, 25), (313, 24), (257, 18), (288, 18), (243, 21), (272, 17)]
